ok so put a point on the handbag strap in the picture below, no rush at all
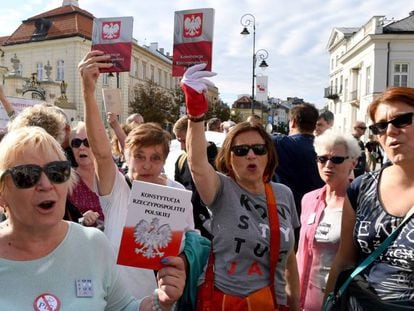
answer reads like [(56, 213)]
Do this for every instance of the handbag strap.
[(384, 245), (274, 235)]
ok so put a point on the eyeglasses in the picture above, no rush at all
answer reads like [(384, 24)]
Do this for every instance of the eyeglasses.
[(401, 121), (334, 159), (27, 175), (242, 150), (77, 142)]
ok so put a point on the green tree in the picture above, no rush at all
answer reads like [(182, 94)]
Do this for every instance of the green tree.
[(154, 103), (219, 110)]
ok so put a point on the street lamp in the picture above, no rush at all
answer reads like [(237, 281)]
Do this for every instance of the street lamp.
[(247, 20)]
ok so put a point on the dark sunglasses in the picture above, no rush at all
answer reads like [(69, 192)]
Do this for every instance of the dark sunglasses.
[(242, 150), (334, 159), (28, 175), (399, 122), (76, 142)]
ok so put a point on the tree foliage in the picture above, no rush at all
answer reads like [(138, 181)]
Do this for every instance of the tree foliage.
[(163, 106), (154, 103), (219, 110)]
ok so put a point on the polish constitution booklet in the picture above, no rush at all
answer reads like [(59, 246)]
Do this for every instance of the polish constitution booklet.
[(155, 224), (113, 35)]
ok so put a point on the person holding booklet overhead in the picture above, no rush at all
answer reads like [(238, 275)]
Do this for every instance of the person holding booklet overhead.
[(378, 203), (253, 219), (146, 148)]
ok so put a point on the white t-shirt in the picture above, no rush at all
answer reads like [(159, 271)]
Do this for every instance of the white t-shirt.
[(327, 238), (141, 282)]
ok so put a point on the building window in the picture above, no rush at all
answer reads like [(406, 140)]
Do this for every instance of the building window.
[(152, 73), (400, 74), (135, 68), (368, 81), (39, 71), (60, 71), (160, 77), (346, 90), (341, 84), (166, 79), (144, 70)]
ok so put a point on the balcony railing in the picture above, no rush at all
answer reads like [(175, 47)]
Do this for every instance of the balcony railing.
[(332, 92)]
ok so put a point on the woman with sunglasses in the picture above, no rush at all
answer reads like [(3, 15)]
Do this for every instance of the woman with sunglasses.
[(83, 195), (146, 149), (337, 155), (46, 262), (253, 219), (378, 203)]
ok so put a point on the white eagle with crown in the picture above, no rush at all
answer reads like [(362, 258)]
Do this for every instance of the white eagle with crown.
[(152, 237), (192, 26)]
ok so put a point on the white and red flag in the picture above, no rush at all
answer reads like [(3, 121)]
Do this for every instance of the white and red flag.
[(261, 88), (113, 35), (193, 39)]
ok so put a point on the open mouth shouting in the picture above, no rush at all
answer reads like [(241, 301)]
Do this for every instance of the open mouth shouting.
[(47, 204)]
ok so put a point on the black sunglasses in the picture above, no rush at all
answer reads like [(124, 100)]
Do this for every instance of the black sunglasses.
[(28, 175), (242, 150), (76, 142), (334, 159), (399, 122)]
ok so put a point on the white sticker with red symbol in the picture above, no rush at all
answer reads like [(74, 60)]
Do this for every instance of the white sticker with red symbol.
[(46, 302)]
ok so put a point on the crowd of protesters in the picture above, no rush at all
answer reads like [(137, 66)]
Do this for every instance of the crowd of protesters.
[(276, 218)]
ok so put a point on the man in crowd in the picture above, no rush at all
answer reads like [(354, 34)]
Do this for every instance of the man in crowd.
[(325, 122), (358, 131), (297, 167)]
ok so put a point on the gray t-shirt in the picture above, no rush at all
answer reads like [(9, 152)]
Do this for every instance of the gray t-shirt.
[(241, 238)]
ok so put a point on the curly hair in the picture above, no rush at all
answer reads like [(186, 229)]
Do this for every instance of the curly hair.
[(42, 116)]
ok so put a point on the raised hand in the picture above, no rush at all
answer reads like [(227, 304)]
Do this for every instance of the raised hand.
[(194, 85), (89, 68)]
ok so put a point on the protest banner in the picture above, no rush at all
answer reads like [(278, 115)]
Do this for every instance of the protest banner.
[(112, 101), (193, 39), (18, 103), (155, 223), (113, 35)]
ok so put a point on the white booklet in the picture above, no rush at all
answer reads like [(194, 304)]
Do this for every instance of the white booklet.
[(156, 220)]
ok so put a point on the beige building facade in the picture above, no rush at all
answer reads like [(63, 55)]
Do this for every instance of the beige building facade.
[(364, 61), (44, 52)]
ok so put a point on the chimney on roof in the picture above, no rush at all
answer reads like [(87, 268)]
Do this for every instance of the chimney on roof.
[(70, 2), (411, 13), (154, 46)]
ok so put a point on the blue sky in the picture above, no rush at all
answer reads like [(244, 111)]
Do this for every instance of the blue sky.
[(295, 33)]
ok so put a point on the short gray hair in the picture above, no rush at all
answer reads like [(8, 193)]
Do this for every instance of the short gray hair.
[(331, 138)]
